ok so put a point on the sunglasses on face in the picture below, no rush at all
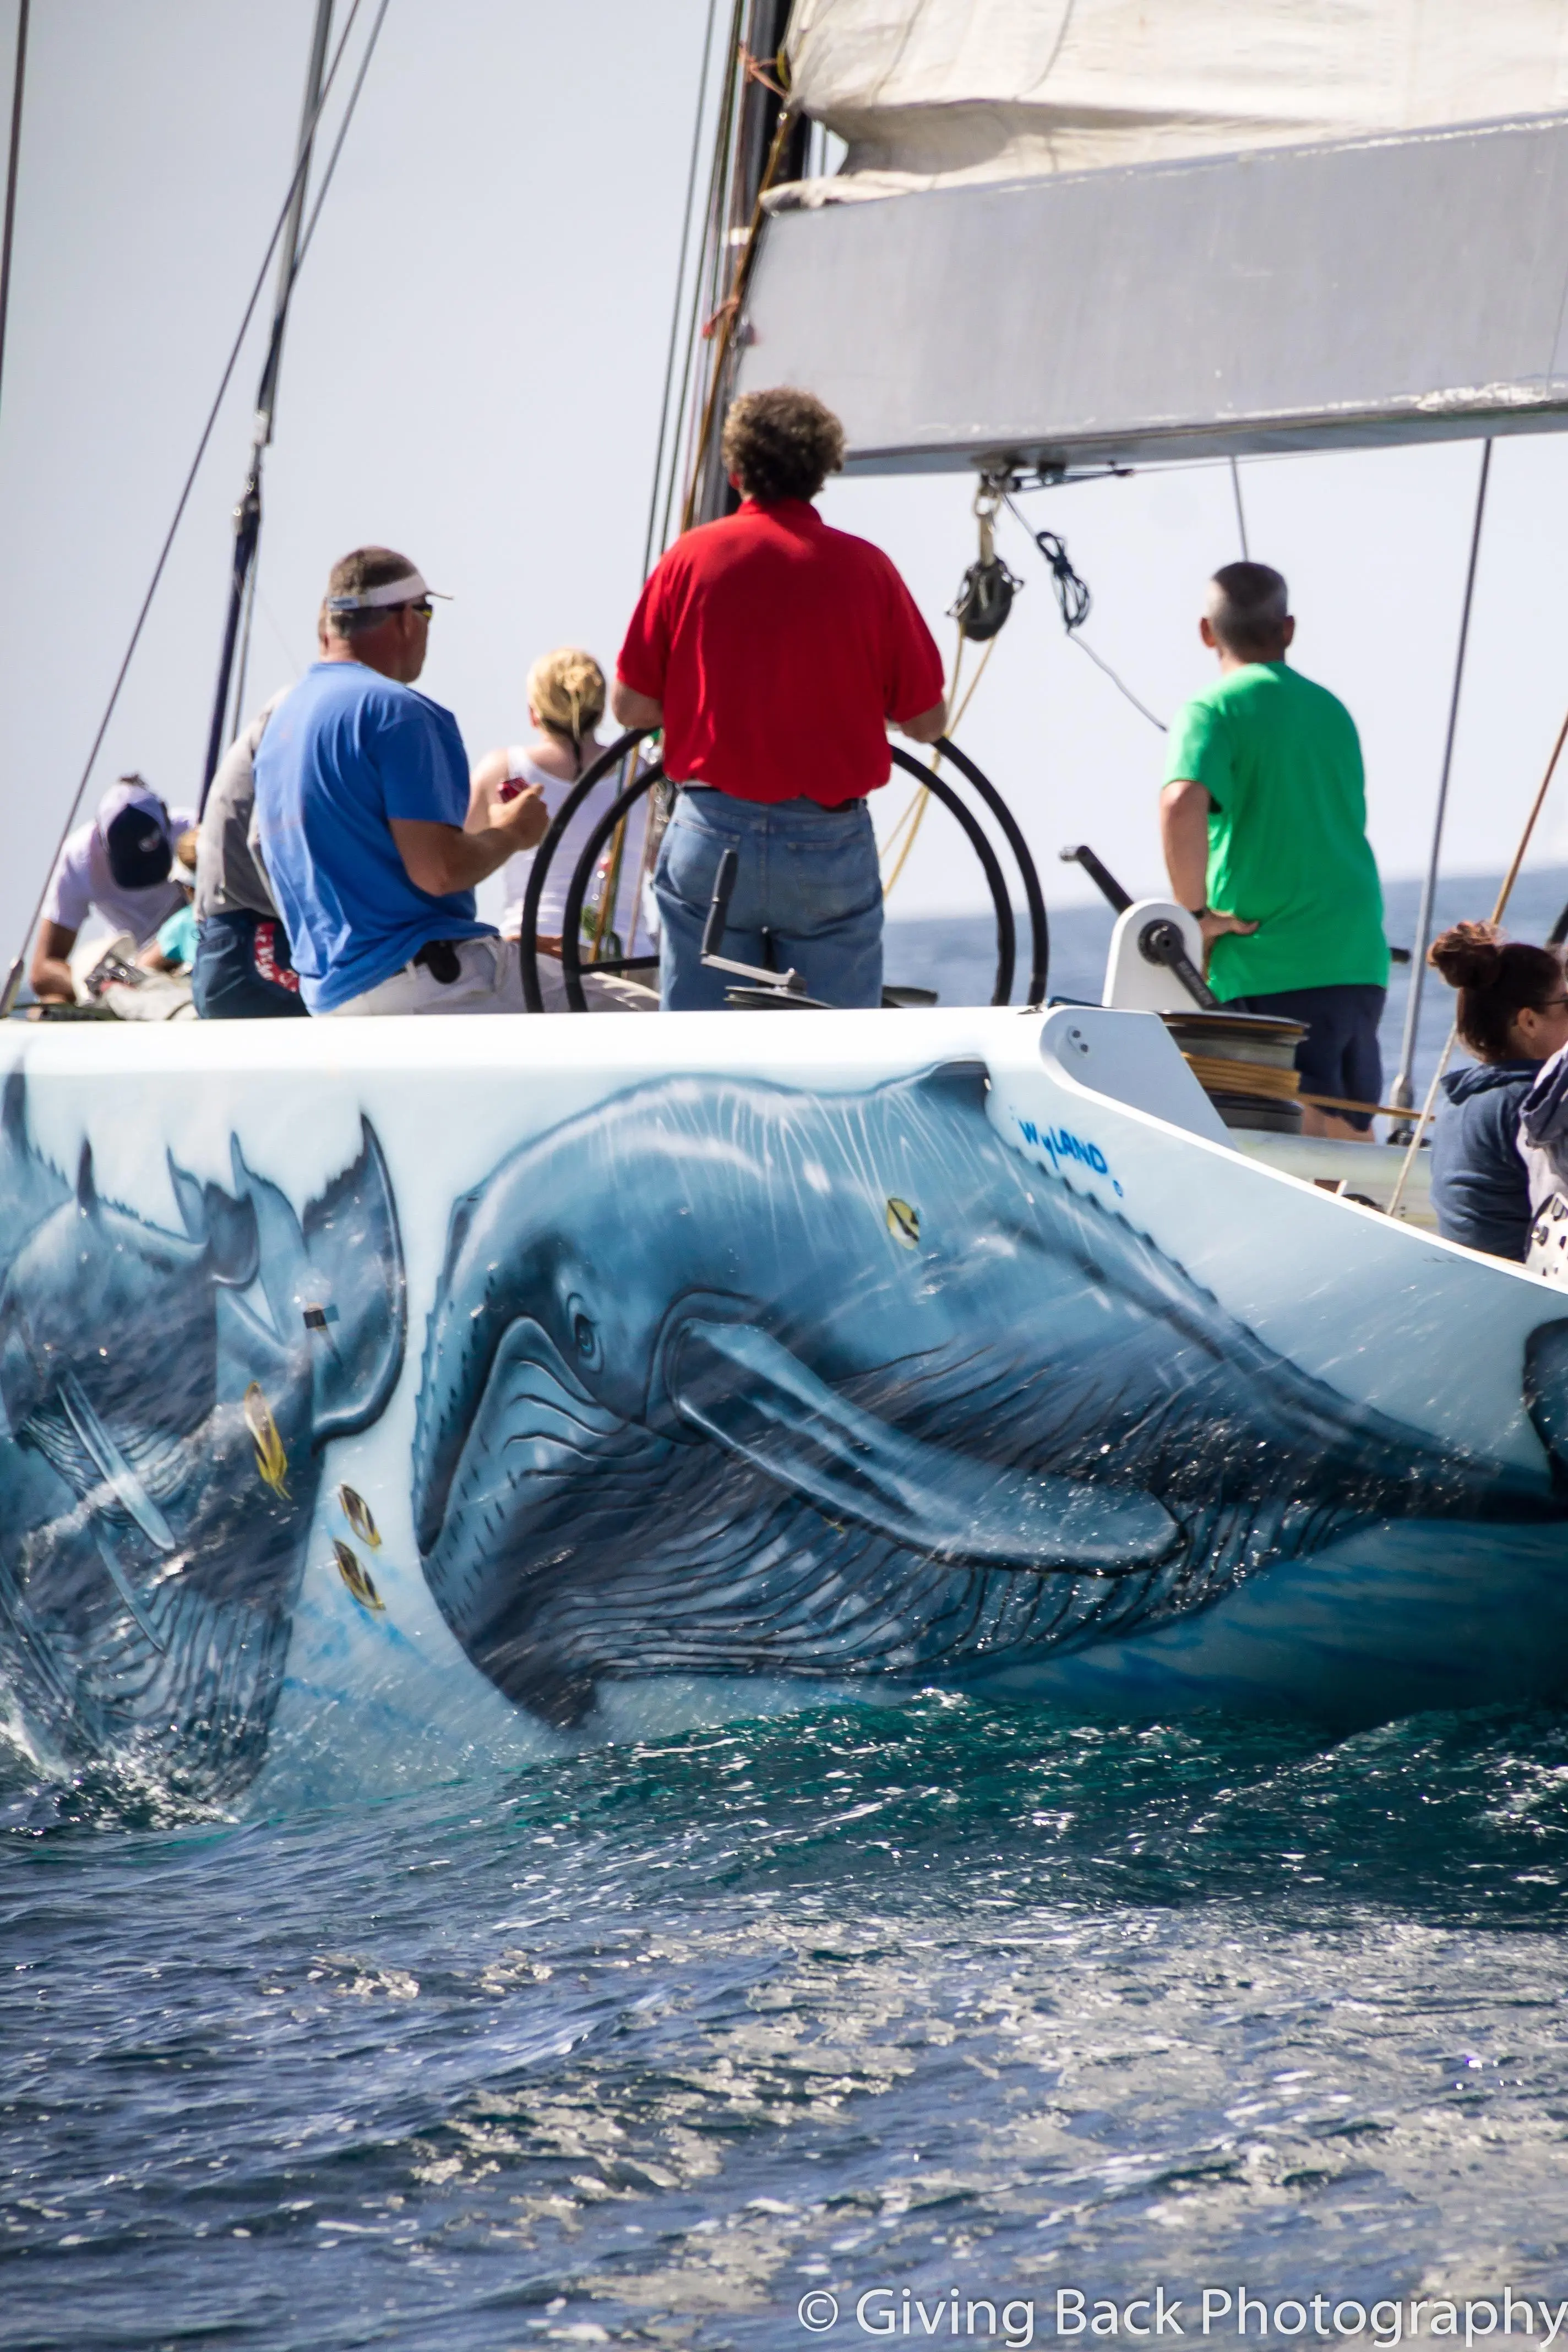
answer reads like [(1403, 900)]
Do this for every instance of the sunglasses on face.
[(425, 610)]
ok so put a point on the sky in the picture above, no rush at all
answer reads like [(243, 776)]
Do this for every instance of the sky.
[(472, 374)]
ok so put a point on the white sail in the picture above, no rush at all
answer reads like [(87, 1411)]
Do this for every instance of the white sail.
[(927, 92), (1117, 230)]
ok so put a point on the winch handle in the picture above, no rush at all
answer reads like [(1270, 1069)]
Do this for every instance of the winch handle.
[(719, 912), (1100, 876), (1160, 942)]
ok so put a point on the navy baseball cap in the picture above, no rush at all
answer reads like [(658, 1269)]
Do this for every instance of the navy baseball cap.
[(135, 824)]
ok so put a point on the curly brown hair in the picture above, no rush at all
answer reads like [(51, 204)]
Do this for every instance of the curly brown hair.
[(782, 444)]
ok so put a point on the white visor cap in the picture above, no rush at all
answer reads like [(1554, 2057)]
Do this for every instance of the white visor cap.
[(406, 589)]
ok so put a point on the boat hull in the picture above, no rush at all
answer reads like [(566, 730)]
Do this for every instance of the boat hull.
[(394, 1398)]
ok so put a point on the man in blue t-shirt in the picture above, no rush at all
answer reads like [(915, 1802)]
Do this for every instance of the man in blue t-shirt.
[(373, 841)]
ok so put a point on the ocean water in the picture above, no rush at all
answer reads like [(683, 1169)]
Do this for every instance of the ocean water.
[(738, 2039), (668, 2044)]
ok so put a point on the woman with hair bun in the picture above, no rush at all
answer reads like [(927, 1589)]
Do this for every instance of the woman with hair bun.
[(566, 696), (1513, 1016)]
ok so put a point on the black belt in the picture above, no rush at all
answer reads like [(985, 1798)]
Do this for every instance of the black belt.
[(829, 808), (441, 961)]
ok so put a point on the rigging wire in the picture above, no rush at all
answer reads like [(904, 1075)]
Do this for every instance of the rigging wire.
[(728, 311), (1120, 683), (1403, 1091), (686, 220), (247, 514), (14, 977), (706, 275), (1240, 510), (1509, 878), (12, 160), (349, 105), (1075, 603)]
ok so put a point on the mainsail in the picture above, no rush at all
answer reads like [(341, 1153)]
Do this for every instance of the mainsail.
[(1096, 230)]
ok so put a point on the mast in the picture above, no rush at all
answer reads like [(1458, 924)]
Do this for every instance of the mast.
[(762, 159), (247, 513)]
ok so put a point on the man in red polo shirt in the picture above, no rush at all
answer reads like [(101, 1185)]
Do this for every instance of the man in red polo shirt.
[(773, 652)]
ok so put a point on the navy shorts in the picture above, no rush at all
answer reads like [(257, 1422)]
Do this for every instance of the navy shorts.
[(1339, 1055)]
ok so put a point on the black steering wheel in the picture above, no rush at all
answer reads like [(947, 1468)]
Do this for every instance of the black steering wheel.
[(572, 965)]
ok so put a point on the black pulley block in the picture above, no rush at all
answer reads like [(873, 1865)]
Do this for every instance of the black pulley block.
[(984, 599)]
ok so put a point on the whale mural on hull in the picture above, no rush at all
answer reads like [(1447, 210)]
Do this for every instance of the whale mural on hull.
[(723, 1377), (166, 1398)]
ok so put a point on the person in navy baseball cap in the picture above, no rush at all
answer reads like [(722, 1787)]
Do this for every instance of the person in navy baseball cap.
[(118, 867)]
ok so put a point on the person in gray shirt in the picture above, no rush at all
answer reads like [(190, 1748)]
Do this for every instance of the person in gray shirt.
[(243, 970)]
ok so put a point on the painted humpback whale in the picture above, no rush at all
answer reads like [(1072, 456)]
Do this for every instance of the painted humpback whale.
[(166, 1397), (722, 1378)]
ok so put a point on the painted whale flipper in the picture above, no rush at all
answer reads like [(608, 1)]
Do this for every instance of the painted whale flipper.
[(353, 1226), (226, 1226), (126, 1589), (117, 1474), (756, 1398), (338, 1273)]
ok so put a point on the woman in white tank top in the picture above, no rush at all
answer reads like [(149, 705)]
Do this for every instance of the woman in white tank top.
[(565, 704)]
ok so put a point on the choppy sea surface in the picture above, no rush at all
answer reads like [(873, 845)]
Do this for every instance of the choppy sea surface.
[(952, 2021), (647, 2047)]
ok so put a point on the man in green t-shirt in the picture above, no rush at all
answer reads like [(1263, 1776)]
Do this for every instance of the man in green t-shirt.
[(1263, 822)]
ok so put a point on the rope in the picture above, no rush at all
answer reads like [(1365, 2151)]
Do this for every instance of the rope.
[(916, 810), (604, 913), (1338, 1102), (1504, 895), (14, 977), (896, 847), (753, 70), (1218, 1074)]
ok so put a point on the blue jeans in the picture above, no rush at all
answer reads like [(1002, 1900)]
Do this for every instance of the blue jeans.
[(232, 979), (808, 894)]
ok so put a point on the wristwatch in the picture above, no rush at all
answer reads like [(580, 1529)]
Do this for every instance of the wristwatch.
[(1197, 913)]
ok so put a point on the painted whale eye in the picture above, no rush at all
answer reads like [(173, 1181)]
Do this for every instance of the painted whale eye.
[(584, 1333)]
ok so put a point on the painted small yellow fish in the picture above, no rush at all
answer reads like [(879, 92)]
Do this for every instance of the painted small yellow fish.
[(356, 1576), (357, 1512), (904, 1223), (271, 1461)]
